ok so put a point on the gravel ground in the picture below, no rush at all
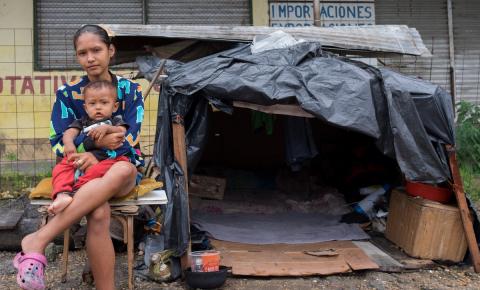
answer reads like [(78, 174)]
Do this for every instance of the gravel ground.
[(441, 277)]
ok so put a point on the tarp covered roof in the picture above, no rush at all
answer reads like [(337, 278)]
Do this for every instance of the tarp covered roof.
[(410, 118)]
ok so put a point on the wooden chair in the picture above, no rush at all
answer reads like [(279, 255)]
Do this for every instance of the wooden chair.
[(122, 210)]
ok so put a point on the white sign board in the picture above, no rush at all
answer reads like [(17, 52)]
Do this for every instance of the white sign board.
[(332, 13)]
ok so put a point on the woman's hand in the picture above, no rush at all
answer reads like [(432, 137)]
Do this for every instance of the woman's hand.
[(83, 161), (111, 141)]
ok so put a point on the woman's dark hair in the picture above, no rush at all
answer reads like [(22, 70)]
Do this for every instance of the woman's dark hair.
[(95, 29)]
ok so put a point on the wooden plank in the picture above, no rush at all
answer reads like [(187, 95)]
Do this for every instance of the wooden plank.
[(384, 261), (291, 260), (180, 148), (464, 210), (180, 154), (9, 219), (408, 263), (157, 196), (289, 110), (357, 259)]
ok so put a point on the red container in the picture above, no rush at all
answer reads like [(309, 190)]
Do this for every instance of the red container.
[(428, 191)]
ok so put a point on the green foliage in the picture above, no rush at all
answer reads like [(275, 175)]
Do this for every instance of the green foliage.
[(12, 184), (11, 156), (468, 146), (471, 182), (468, 113)]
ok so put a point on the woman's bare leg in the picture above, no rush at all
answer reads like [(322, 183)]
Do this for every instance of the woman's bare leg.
[(100, 252), (118, 181), (99, 244)]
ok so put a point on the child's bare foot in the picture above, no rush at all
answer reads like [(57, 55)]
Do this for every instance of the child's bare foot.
[(60, 203)]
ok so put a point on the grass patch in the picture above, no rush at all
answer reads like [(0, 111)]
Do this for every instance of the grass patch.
[(13, 184), (471, 182), (468, 147)]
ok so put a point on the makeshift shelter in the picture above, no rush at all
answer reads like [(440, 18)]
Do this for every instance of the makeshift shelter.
[(410, 120)]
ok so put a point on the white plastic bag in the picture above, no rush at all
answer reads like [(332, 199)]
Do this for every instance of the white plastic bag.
[(274, 40)]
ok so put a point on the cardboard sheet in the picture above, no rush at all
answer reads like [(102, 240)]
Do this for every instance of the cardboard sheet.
[(291, 260)]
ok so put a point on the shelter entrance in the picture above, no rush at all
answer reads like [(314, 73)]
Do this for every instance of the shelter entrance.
[(276, 193)]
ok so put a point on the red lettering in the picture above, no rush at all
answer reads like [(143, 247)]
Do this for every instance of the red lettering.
[(13, 83), (1, 85), (55, 83), (64, 79), (42, 80), (27, 85)]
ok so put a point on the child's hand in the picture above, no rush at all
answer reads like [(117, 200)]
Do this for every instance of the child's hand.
[(99, 132), (69, 149)]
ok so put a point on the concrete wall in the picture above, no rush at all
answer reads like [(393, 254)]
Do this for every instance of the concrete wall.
[(16, 13), (260, 15), (27, 96)]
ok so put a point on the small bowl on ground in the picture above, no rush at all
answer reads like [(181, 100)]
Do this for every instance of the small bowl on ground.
[(206, 280)]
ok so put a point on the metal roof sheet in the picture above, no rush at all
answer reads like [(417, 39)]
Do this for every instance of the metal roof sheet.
[(380, 39)]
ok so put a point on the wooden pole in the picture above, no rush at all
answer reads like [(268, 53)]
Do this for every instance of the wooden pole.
[(180, 148), (464, 211), (154, 80), (451, 49), (316, 13), (66, 248), (180, 153), (130, 254)]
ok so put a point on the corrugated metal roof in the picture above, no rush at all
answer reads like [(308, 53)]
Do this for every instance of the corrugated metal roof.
[(429, 17), (56, 22), (381, 39), (212, 12), (466, 31)]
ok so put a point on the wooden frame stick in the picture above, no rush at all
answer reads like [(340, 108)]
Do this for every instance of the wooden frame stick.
[(464, 211), (154, 80), (180, 154)]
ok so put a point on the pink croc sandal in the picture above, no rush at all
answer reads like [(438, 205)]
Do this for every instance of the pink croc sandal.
[(30, 268)]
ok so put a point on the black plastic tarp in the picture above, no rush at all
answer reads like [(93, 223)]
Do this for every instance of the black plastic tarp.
[(410, 118)]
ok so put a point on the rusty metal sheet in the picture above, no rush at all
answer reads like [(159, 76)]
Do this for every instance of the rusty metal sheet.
[(397, 39)]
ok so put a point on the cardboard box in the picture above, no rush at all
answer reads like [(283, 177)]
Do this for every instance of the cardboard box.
[(425, 229), (207, 186)]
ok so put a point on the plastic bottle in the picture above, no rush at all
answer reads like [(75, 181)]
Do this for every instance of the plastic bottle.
[(153, 244), (365, 206), (369, 189)]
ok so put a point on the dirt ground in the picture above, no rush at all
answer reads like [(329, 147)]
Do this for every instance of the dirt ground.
[(440, 277)]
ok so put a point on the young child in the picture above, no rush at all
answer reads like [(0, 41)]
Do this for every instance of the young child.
[(100, 102)]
